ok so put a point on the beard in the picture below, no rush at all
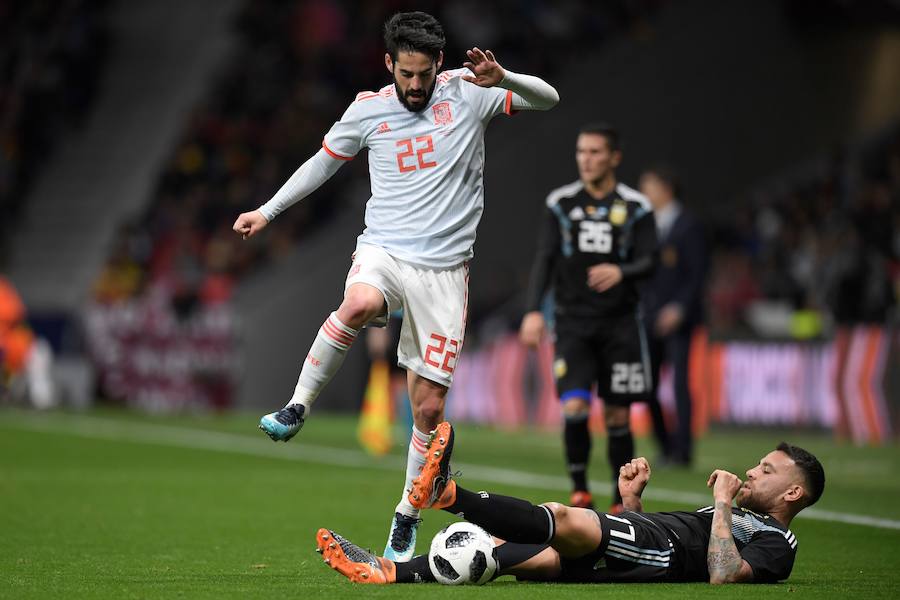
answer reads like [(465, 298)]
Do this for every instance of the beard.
[(404, 98), (746, 500)]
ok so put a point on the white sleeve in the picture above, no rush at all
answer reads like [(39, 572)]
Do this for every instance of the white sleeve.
[(529, 92), (305, 180), (344, 140), (487, 102)]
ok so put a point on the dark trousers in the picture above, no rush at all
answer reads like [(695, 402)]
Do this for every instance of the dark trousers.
[(674, 349)]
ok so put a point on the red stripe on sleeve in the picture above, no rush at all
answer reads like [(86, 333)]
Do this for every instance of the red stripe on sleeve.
[(507, 106), (334, 154)]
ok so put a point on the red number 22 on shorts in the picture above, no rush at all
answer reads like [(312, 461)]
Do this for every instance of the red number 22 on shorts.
[(442, 349)]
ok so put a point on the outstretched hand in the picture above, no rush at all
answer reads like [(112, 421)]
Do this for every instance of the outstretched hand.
[(485, 68)]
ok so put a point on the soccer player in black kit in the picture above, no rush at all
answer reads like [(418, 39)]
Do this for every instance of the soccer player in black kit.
[(721, 543), (598, 238)]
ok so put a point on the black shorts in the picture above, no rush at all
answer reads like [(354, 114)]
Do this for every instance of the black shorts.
[(609, 352), (633, 549)]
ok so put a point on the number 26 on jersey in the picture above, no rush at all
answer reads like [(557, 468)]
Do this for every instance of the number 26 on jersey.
[(414, 154), (595, 236)]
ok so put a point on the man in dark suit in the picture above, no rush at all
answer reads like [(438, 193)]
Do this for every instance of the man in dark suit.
[(673, 303)]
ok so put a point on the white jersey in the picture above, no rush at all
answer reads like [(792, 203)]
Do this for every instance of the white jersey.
[(426, 168)]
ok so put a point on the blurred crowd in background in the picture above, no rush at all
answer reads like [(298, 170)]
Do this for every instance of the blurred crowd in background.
[(51, 59), (815, 248)]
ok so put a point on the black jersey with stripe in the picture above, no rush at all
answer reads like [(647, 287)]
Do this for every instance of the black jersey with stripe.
[(767, 545), (579, 231)]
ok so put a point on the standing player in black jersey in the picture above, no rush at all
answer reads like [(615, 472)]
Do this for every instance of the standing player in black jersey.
[(598, 238), (749, 543)]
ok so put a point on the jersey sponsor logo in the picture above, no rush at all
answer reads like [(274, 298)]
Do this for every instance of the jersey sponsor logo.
[(354, 270), (618, 213), (597, 212), (383, 127), (442, 114)]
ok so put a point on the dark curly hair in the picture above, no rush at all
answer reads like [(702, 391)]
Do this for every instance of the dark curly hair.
[(414, 32)]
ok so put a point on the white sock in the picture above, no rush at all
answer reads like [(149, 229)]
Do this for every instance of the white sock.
[(415, 460), (324, 358)]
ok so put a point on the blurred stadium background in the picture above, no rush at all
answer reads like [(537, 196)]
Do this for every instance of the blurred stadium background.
[(133, 132)]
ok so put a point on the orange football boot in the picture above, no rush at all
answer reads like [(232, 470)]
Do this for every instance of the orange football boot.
[(434, 488), (581, 499), (351, 561)]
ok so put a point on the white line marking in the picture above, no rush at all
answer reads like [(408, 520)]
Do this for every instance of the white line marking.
[(199, 439)]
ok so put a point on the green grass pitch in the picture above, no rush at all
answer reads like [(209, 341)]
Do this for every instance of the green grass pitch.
[(113, 505)]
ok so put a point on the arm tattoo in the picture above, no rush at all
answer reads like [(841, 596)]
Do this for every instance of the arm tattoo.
[(722, 557)]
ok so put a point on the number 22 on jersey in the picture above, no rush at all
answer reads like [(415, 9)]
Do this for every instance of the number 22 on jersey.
[(421, 146)]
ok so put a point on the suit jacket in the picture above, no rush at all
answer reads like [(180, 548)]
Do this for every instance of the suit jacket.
[(680, 272)]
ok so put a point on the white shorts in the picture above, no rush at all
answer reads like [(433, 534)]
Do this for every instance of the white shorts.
[(434, 303)]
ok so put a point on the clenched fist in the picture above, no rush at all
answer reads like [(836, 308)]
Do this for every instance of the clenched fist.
[(633, 477), (725, 485), (250, 223)]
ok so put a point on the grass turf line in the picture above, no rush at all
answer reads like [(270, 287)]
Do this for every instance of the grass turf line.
[(92, 518)]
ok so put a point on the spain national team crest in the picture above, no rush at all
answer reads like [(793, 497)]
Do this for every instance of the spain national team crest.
[(618, 213), (442, 114)]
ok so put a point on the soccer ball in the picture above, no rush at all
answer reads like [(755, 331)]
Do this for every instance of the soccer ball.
[(462, 553)]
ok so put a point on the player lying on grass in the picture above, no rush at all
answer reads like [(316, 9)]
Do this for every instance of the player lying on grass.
[(552, 542)]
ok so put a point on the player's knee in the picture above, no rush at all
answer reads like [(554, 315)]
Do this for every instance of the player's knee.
[(560, 513), (564, 526), (429, 410), (358, 309), (576, 409), (616, 417)]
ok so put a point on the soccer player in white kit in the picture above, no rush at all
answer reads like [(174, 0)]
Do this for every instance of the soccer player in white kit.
[(425, 135)]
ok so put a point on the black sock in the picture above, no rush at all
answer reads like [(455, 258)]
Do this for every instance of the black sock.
[(510, 554), (619, 452), (511, 519), (416, 570), (577, 439)]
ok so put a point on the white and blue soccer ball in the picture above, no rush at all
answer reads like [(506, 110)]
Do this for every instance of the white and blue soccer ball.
[(462, 553)]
